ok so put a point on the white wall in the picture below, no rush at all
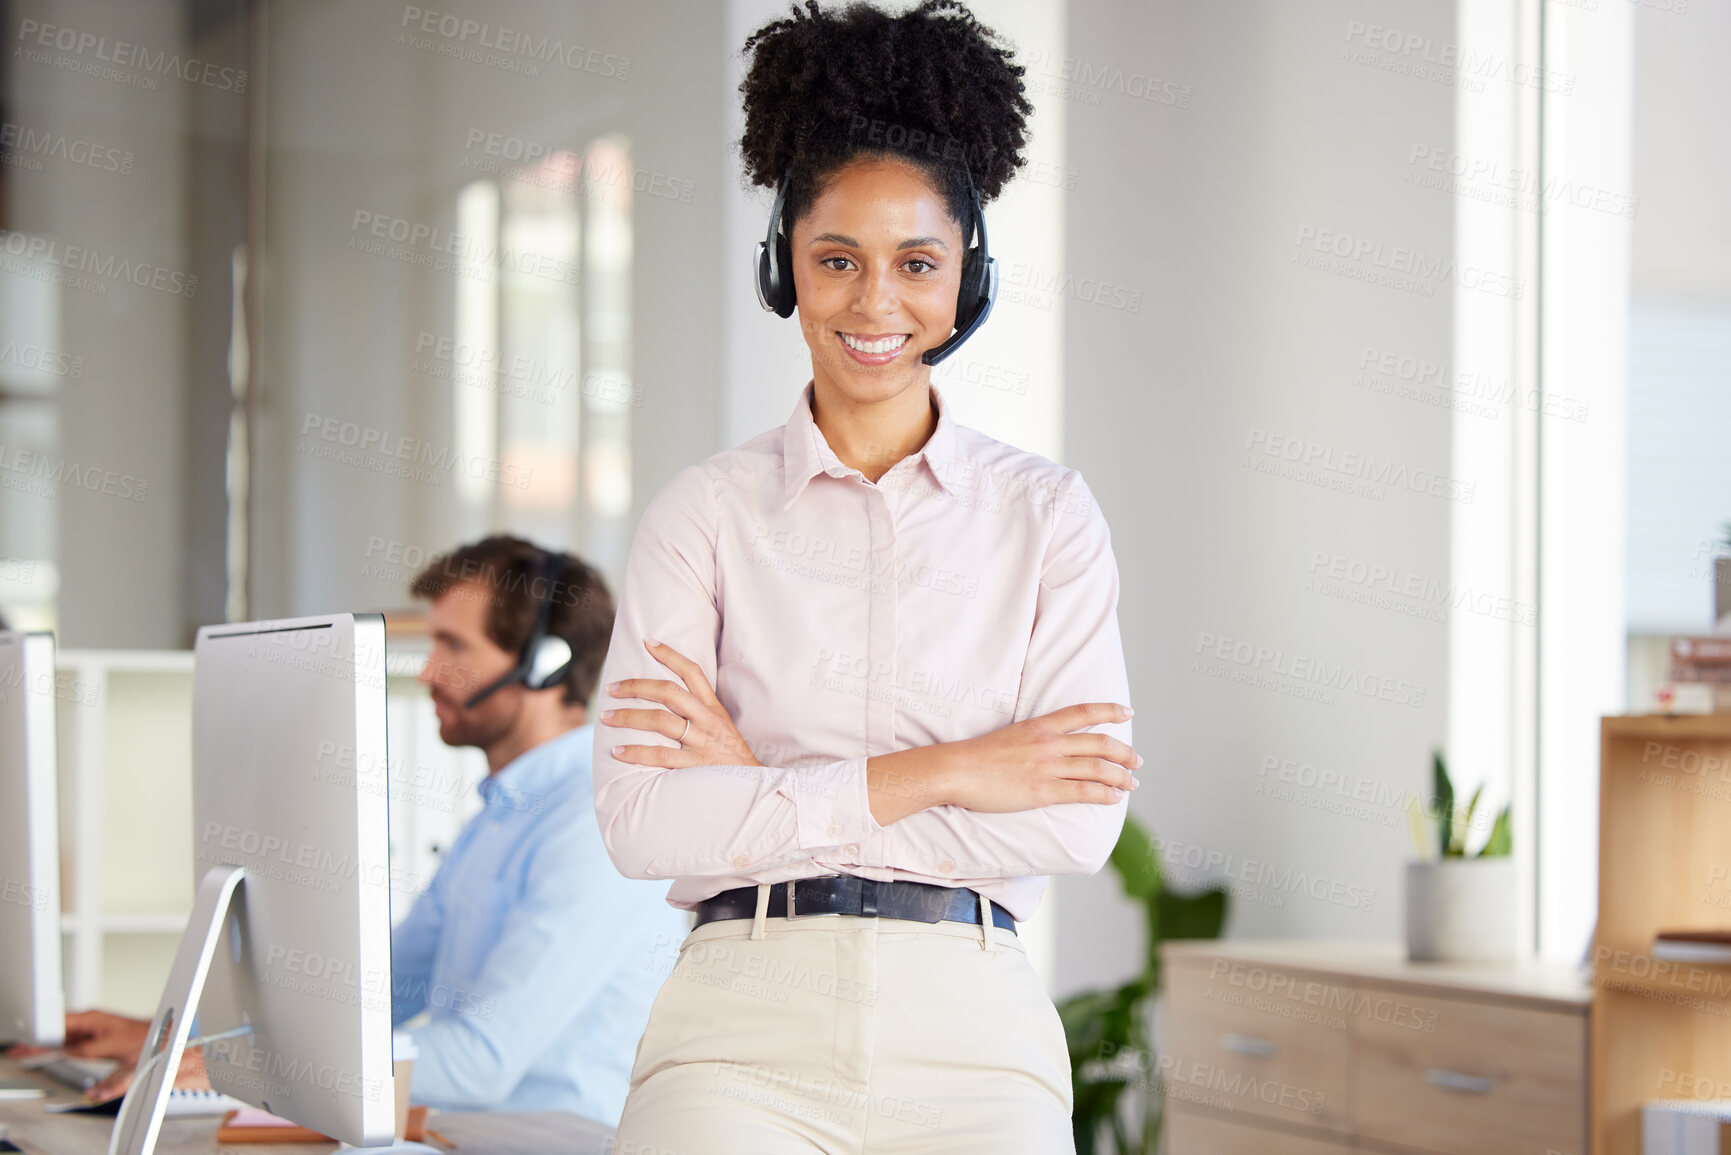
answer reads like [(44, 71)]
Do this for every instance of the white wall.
[(124, 414), (361, 122), (1682, 151), (1196, 161), (1203, 209), (1680, 330)]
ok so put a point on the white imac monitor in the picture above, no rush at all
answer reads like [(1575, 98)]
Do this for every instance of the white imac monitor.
[(288, 948), (32, 1006)]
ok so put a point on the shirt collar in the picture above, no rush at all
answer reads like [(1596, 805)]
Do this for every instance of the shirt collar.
[(528, 777), (806, 453)]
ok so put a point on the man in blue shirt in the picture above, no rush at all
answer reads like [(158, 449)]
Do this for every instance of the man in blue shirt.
[(535, 960)]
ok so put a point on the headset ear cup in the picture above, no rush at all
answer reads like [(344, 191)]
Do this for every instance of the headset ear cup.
[(551, 660), (784, 301), (775, 277), (765, 278)]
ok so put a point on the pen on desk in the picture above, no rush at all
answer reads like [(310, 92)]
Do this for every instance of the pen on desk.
[(440, 1140)]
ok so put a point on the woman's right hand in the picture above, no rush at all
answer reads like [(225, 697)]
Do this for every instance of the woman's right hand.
[(1041, 761)]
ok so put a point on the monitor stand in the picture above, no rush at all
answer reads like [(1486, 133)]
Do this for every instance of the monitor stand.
[(141, 1111)]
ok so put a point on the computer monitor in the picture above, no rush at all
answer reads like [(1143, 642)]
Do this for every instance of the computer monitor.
[(32, 1005), (288, 948)]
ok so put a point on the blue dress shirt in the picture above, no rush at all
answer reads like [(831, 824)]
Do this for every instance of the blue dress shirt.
[(537, 959)]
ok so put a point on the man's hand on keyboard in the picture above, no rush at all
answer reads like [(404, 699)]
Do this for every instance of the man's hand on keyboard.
[(104, 1035), (96, 1035), (190, 1076)]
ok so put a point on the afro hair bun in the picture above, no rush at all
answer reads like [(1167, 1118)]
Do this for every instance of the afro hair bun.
[(931, 84)]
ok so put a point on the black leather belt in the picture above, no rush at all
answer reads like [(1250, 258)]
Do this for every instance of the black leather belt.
[(845, 894)]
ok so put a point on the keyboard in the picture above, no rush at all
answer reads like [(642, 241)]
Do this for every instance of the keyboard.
[(79, 1074), (83, 1074), (192, 1103)]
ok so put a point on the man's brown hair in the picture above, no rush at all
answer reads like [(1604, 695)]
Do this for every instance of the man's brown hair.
[(514, 571)]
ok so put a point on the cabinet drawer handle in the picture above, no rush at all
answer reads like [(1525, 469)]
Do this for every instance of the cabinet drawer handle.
[(1455, 1081), (1247, 1045)]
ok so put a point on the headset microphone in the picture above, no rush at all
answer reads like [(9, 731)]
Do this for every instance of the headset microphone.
[(545, 658), (974, 298)]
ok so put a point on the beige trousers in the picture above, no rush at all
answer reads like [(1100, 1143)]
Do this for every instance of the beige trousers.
[(843, 1033)]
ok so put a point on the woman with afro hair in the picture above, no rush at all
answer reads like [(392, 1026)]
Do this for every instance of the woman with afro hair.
[(865, 669)]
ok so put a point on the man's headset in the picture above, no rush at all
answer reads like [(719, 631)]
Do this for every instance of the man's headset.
[(546, 658), (979, 288)]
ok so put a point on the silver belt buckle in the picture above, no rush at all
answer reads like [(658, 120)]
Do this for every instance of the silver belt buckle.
[(792, 916)]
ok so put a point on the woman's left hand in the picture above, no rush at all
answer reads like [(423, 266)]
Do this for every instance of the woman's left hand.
[(712, 739)]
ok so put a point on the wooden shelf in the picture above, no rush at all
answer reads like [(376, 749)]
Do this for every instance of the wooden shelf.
[(1645, 726), (1664, 864)]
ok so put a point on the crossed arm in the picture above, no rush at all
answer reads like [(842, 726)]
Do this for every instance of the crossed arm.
[(1031, 798)]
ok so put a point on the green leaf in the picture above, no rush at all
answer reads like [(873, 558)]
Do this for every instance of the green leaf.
[(1101, 1026), (1444, 792), (1501, 841), (1136, 861), (1199, 915), (1098, 1027), (1464, 824)]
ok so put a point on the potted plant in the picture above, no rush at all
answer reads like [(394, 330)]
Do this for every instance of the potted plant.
[(1459, 906), (1109, 1032)]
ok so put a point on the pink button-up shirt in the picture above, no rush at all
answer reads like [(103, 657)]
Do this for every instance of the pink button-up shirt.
[(971, 587)]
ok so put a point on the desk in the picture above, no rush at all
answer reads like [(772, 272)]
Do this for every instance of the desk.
[(474, 1132)]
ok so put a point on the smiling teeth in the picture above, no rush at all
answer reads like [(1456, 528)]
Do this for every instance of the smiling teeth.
[(885, 345)]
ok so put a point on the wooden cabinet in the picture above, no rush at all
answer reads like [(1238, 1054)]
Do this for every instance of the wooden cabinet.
[(1227, 1051), (1661, 1030), (1186, 1131), (1313, 1048), (1493, 1079)]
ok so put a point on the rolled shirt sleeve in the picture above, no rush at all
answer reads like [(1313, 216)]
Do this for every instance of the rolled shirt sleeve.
[(701, 821)]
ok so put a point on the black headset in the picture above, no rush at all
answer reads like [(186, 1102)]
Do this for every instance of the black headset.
[(546, 658), (979, 288)]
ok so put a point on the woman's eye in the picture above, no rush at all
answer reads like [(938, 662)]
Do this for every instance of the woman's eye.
[(926, 266), (826, 261)]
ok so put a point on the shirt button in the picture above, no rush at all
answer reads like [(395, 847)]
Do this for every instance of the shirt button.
[(740, 862), (852, 849), (835, 830), (946, 866)]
